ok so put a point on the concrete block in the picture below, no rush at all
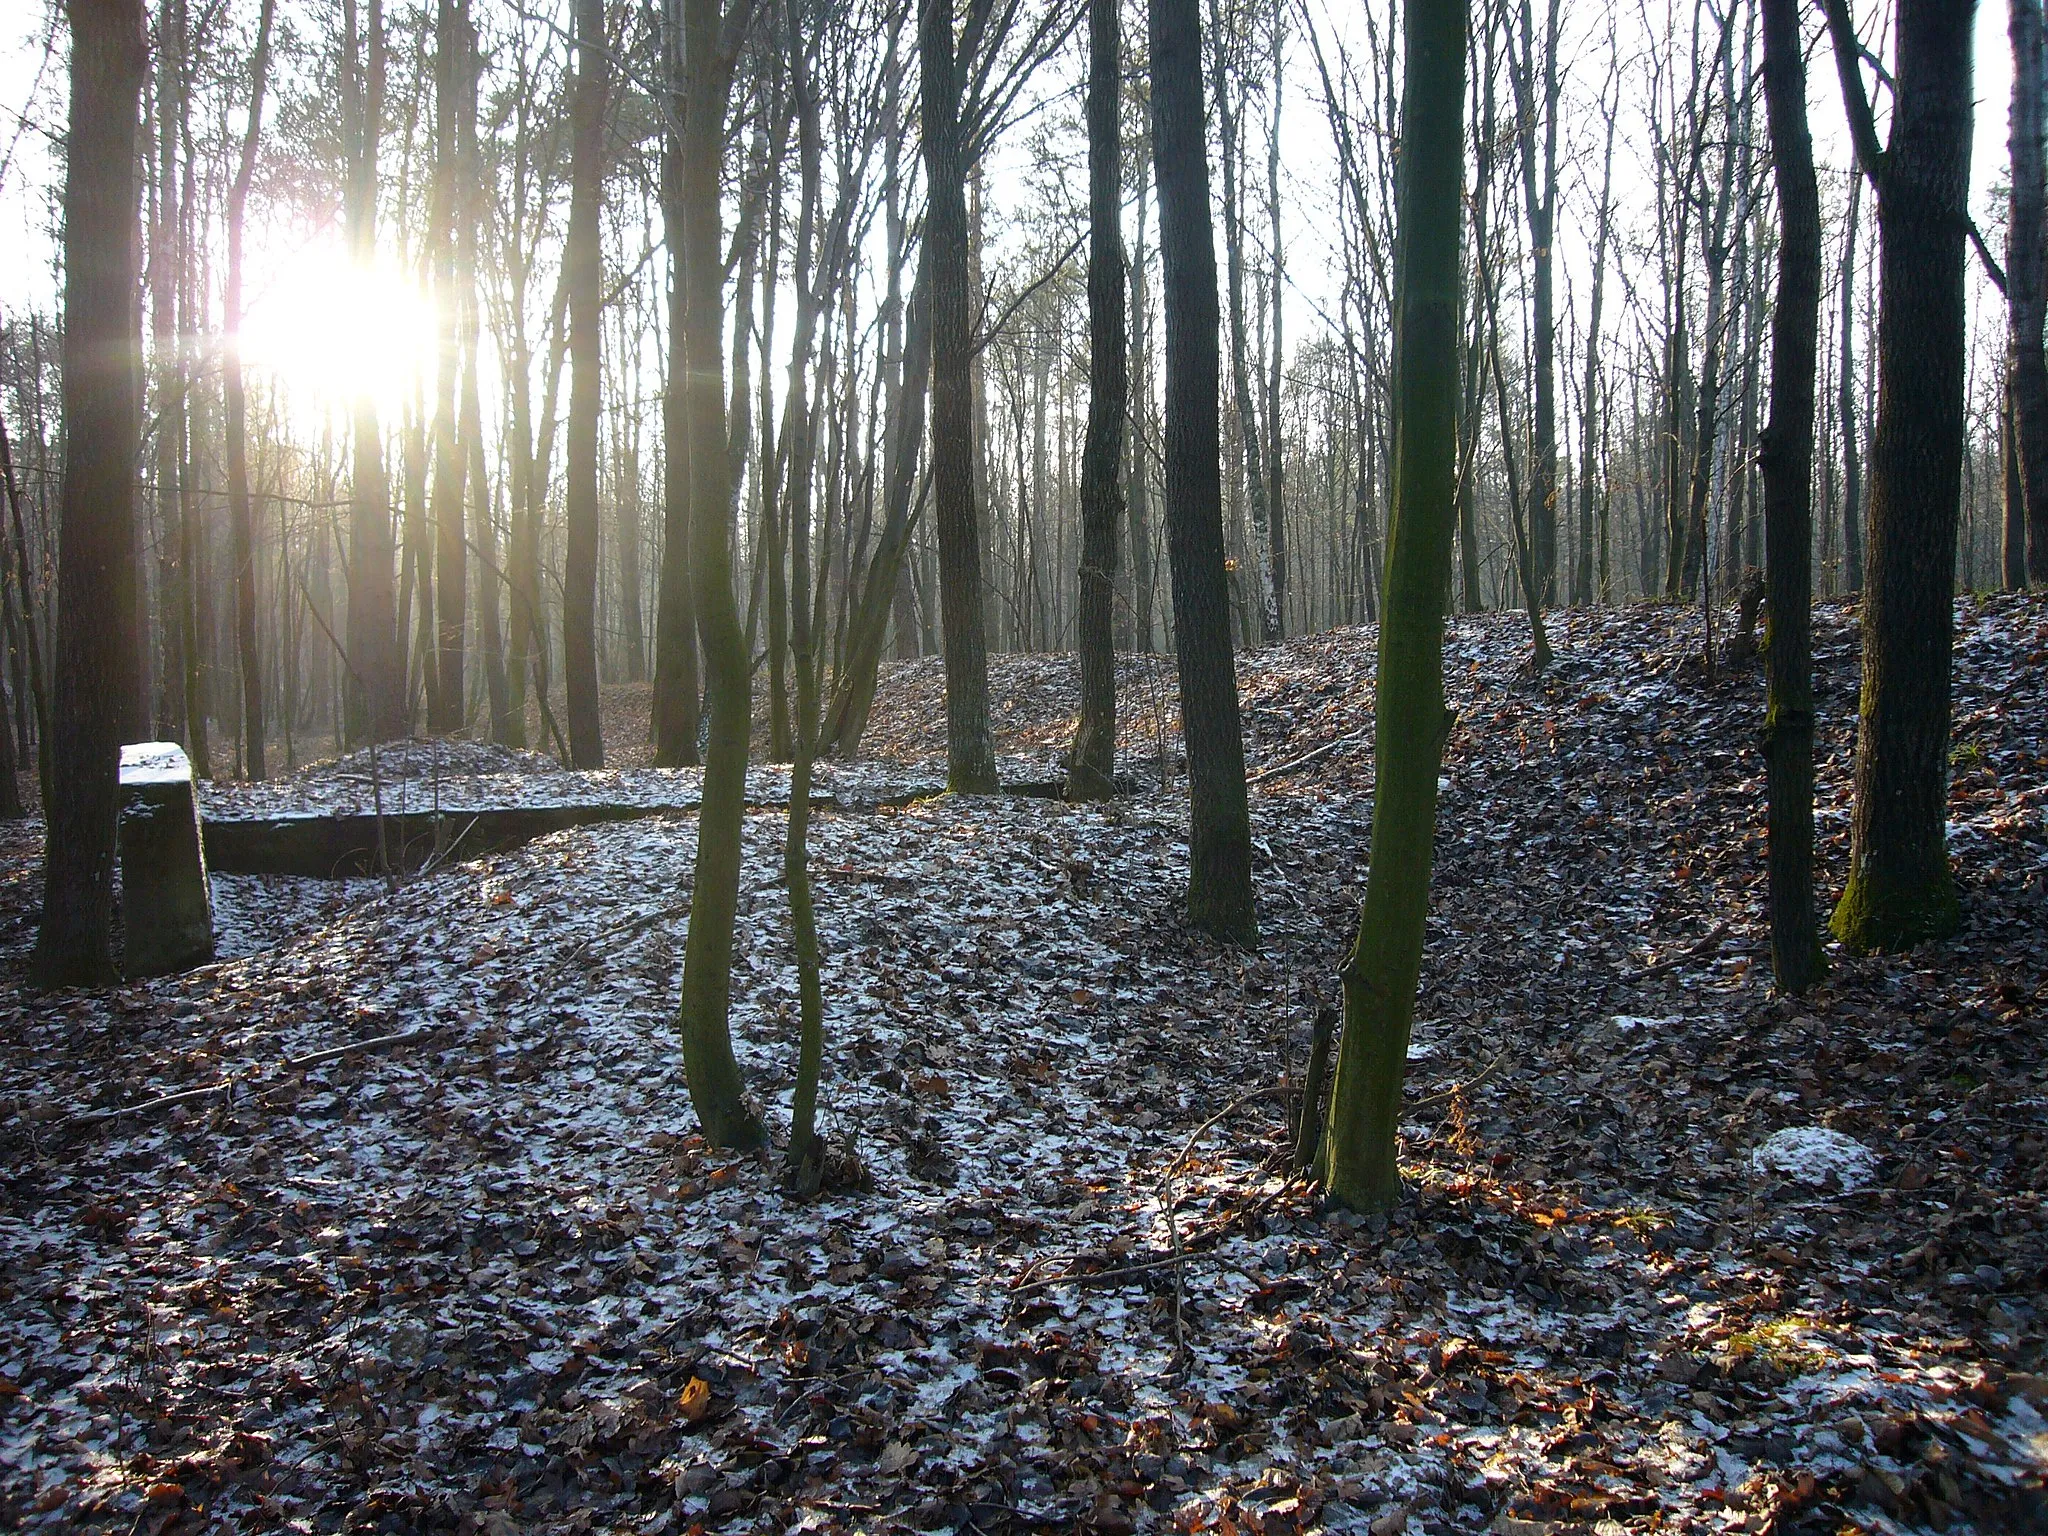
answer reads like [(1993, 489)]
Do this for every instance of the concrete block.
[(166, 902)]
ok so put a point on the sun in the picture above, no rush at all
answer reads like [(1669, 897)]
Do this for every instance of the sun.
[(330, 332)]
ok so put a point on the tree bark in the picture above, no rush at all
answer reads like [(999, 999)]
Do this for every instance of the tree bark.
[(584, 262), (1410, 721), (708, 1062), (1900, 890), (1787, 460), (238, 411), (1219, 821), (1091, 772), (379, 695), (2026, 277), (970, 748), (97, 659), (445, 697), (1845, 404), (675, 702), (1539, 188)]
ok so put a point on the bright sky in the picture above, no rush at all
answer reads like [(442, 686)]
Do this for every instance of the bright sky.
[(300, 297)]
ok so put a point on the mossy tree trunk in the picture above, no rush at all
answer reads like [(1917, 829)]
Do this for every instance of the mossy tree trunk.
[(1900, 890), (1787, 460), (708, 1062), (1410, 721)]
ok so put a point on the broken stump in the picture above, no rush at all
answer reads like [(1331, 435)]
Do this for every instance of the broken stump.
[(166, 902)]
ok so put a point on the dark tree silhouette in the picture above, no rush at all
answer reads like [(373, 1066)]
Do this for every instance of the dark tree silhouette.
[(1787, 455), (97, 658)]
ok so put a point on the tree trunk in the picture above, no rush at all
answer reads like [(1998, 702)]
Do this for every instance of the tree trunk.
[(97, 651), (970, 749), (238, 411), (1900, 890), (2026, 278), (584, 263), (853, 693), (445, 696), (1219, 831), (1845, 400), (1539, 187), (379, 694), (1410, 721), (675, 702), (1091, 772), (1590, 408), (1787, 458), (708, 1062), (1138, 497), (1254, 480)]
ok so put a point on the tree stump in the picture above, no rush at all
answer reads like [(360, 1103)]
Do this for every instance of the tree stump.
[(166, 902)]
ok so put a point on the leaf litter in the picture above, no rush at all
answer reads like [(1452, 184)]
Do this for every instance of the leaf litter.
[(487, 1278)]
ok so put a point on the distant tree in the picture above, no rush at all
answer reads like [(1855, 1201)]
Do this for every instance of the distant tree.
[(1091, 772), (675, 702), (970, 748), (1410, 720), (584, 275), (1219, 819), (97, 651), (1900, 889), (450, 207), (1787, 454), (246, 648), (379, 692)]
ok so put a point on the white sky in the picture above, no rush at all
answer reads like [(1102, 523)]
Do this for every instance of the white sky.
[(32, 98)]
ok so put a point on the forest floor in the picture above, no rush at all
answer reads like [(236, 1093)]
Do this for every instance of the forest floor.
[(1679, 1255)]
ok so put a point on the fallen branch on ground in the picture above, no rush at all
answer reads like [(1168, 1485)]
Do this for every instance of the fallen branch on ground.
[(1700, 951), (291, 1063)]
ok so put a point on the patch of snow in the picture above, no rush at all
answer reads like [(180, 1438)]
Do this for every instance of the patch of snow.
[(1812, 1154), (155, 762)]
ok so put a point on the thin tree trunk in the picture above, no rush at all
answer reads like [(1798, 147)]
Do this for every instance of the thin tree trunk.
[(584, 263), (1787, 455), (708, 1062), (238, 411), (445, 697), (675, 701), (1410, 721), (1845, 405), (1219, 832), (1091, 771), (970, 748), (373, 642)]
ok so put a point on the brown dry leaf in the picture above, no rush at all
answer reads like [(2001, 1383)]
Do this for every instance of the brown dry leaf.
[(695, 1403)]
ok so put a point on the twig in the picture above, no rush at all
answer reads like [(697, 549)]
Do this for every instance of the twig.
[(292, 1063), (1305, 759), (1699, 951)]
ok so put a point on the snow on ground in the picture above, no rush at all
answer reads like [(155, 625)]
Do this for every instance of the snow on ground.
[(486, 1277)]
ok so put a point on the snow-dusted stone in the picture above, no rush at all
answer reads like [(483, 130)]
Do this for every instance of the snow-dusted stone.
[(166, 903), (1812, 1154)]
